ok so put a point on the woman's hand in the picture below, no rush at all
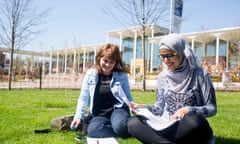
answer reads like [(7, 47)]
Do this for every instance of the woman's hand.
[(136, 105), (179, 114), (75, 124)]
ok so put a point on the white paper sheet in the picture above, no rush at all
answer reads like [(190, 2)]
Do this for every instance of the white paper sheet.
[(101, 140), (156, 122)]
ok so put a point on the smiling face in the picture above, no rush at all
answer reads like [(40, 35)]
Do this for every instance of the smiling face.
[(169, 58), (107, 65)]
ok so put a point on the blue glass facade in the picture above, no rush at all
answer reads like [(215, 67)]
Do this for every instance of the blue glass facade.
[(199, 50), (129, 47), (128, 50), (156, 62)]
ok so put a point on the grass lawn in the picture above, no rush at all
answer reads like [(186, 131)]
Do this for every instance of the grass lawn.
[(22, 111)]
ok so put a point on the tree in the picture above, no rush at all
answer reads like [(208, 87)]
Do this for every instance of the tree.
[(19, 25), (139, 13)]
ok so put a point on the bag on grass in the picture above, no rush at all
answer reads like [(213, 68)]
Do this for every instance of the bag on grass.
[(62, 123)]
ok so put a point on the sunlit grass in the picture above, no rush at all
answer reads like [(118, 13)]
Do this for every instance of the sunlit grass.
[(23, 111)]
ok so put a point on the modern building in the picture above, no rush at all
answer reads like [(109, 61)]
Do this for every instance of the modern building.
[(217, 50)]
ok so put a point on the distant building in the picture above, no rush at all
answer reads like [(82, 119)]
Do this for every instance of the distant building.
[(216, 50)]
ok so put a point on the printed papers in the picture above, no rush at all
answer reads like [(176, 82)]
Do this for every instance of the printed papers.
[(101, 140), (156, 122)]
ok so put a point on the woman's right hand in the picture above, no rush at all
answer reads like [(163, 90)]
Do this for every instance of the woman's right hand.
[(75, 124), (136, 105)]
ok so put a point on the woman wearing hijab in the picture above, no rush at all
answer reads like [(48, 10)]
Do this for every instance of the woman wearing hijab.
[(184, 93)]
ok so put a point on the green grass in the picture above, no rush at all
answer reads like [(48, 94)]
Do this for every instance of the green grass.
[(22, 111)]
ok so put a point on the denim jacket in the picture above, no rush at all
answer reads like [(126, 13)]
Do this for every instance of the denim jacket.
[(119, 80)]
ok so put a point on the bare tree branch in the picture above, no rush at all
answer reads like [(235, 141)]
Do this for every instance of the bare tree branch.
[(139, 13), (128, 12), (19, 25)]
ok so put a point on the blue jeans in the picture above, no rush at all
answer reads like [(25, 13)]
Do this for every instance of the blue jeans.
[(116, 126)]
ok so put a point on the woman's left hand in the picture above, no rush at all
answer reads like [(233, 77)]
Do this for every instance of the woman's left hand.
[(179, 114)]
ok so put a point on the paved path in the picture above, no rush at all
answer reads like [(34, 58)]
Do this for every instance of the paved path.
[(67, 82)]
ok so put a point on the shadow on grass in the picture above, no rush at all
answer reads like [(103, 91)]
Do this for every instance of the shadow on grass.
[(222, 140)]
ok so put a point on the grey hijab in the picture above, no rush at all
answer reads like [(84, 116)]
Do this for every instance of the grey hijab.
[(179, 79)]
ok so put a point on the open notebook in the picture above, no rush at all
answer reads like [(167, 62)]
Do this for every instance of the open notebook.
[(156, 122)]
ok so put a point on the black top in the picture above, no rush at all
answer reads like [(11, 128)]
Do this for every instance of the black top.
[(103, 98)]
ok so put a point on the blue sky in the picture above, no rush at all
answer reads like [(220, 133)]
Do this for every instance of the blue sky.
[(74, 23)]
